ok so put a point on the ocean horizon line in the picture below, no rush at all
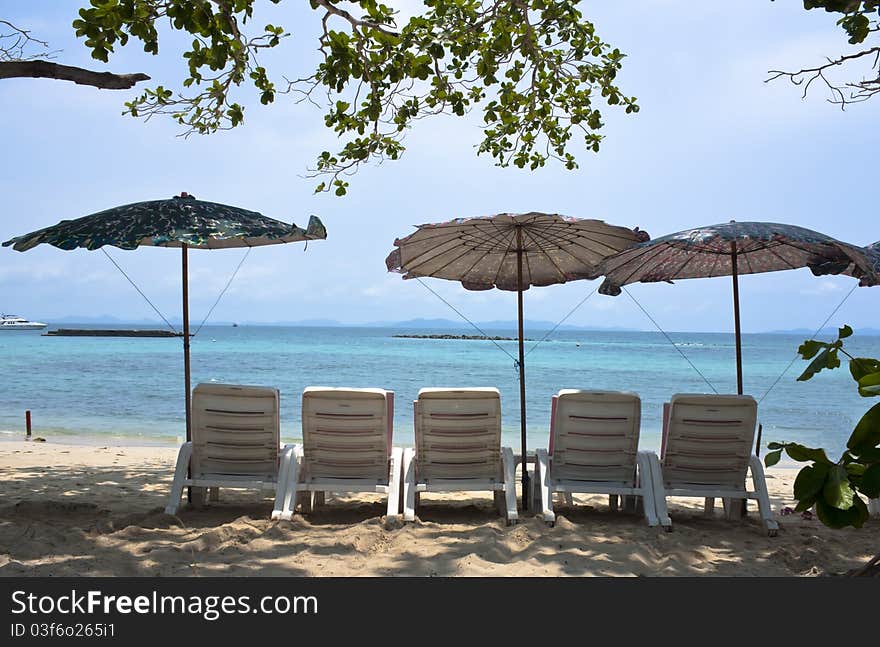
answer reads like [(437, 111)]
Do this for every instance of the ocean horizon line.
[(432, 324)]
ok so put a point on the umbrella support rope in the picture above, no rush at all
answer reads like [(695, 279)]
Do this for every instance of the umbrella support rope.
[(476, 327), (561, 321), (223, 291), (818, 330), (669, 339), (134, 285)]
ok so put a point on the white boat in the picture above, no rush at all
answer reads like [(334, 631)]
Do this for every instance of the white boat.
[(14, 322)]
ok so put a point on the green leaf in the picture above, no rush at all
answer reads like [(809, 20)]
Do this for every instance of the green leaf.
[(837, 490), (844, 332), (870, 485), (801, 454), (826, 359), (866, 435), (809, 348), (771, 458), (810, 481), (868, 454), (869, 385), (775, 445), (859, 367), (833, 517)]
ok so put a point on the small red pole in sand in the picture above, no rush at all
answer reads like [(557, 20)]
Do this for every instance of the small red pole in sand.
[(27, 422)]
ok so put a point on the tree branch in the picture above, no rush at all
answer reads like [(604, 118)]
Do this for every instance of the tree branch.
[(342, 13), (80, 76), (859, 91)]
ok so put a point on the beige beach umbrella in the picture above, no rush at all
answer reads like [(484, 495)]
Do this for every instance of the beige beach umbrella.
[(511, 252)]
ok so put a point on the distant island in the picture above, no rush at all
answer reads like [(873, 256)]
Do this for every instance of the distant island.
[(92, 332), (478, 337)]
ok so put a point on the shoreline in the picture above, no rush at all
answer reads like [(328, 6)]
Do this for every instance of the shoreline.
[(138, 442)]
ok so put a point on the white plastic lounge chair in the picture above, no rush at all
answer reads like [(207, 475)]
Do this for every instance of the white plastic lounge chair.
[(458, 448), (235, 443), (346, 448), (593, 449), (706, 452)]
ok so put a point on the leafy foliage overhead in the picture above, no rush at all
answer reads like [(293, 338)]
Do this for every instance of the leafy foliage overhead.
[(537, 70)]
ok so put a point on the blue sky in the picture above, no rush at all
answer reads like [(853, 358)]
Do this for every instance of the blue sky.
[(712, 142)]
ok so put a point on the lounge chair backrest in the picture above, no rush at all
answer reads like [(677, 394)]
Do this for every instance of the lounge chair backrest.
[(594, 436), (458, 433), (347, 432), (709, 440), (235, 431)]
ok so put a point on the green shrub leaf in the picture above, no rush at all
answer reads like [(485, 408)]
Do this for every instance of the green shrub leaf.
[(809, 348), (837, 490), (870, 485), (771, 458), (810, 481), (833, 517), (859, 367), (801, 454), (869, 385), (866, 435)]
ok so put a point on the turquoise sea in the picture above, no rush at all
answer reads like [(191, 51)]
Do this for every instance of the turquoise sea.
[(130, 390)]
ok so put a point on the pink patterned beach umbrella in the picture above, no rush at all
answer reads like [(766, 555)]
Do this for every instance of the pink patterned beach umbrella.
[(511, 252), (732, 249)]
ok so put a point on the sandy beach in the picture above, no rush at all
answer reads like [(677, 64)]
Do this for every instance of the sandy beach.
[(73, 510)]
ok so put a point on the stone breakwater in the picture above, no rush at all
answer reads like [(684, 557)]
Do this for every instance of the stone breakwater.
[(478, 337)]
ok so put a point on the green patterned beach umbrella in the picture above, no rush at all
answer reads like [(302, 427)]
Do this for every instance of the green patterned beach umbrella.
[(735, 248), (181, 221), (857, 270)]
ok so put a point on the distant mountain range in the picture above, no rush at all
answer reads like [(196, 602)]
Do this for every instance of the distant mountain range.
[(825, 332), (416, 324)]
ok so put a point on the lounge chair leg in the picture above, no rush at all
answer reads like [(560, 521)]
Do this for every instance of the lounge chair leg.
[(214, 494), (199, 497), (409, 485), (655, 492), (568, 498), (763, 496), (281, 486), (542, 469), (709, 505), (183, 457), (509, 466), (307, 500), (645, 482), (395, 466), (290, 490), (613, 502)]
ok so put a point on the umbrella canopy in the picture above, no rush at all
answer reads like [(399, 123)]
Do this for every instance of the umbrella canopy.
[(857, 270), (731, 249), (484, 252), (181, 221), (511, 252)]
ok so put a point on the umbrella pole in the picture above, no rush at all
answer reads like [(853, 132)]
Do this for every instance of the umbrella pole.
[(186, 375), (738, 332), (522, 369)]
